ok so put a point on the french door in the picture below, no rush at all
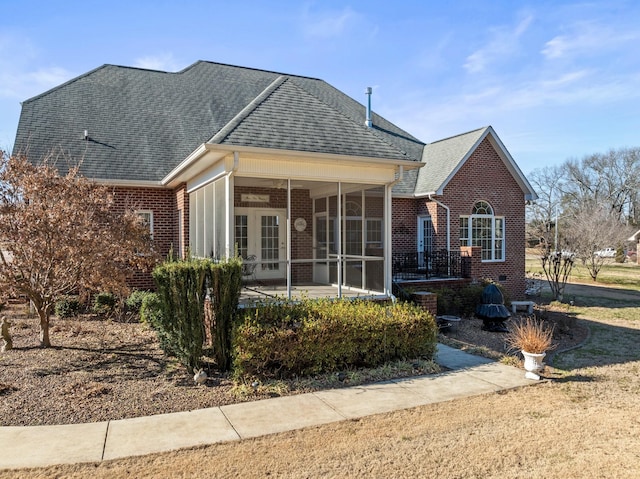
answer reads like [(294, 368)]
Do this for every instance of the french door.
[(425, 239), (262, 232)]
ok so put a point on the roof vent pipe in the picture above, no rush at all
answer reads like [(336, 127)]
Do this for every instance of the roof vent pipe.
[(368, 120)]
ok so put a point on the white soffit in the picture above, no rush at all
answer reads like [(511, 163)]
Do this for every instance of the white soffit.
[(204, 164), (316, 170)]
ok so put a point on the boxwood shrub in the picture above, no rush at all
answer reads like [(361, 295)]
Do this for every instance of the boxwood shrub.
[(290, 339), (133, 303), (104, 303), (152, 314), (464, 301), (67, 306)]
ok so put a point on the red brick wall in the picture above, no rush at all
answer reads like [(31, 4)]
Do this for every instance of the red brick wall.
[(162, 202), (427, 301), (404, 225), (485, 177), (475, 252)]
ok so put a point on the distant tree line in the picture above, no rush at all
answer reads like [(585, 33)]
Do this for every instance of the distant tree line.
[(586, 205)]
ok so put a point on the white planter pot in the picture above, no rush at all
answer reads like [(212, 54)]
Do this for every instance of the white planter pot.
[(532, 364)]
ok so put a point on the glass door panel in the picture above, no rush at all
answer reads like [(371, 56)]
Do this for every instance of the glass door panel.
[(270, 242), (262, 232)]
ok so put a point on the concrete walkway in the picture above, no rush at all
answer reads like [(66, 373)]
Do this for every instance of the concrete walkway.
[(38, 446)]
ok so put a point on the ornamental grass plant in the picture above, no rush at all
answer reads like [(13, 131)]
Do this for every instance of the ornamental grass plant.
[(530, 335)]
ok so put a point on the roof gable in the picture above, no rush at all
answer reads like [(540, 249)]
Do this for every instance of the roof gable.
[(444, 158), (290, 118)]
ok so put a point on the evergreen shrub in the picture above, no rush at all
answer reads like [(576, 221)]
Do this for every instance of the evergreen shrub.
[(187, 291), (288, 339), (225, 283), (464, 301), (67, 306), (104, 303), (151, 313), (133, 303), (181, 292)]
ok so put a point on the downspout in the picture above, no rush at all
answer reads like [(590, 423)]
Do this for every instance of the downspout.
[(448, 219), (229, 209), (388, 234)]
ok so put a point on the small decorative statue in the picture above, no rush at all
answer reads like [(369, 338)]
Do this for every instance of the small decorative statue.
[(6, 335), (200, 377)]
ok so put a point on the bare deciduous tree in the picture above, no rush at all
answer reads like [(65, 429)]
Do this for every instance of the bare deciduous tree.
[(592, 229), (541, 225), (557, 266), (60, 234), (584, 206), (608, 180)]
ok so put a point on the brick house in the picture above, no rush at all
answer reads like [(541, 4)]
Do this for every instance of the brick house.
[(312, 188), (470, 192)]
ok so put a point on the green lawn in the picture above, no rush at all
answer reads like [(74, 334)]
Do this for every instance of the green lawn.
[(598, 303), (611, 310), (613, 274)]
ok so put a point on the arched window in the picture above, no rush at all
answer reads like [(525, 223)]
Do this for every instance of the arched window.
[(482, 228), (482, 208)]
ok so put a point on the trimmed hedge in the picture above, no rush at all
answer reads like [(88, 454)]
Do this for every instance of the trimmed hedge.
[(314, 336), (183, 286), (181, 323), (225, 284)]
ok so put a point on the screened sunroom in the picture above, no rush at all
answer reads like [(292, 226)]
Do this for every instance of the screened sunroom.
[(303, 226)]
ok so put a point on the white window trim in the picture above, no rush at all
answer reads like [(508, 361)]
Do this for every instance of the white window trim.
[(140, 213), (493, 236)]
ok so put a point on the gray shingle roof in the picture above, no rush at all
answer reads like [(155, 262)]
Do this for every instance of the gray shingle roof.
[(143, 123), (292, 119), (441, 159)]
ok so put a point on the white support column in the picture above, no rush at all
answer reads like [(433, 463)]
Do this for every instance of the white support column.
[(289, 238), (339, 215), (386, 222), (363, 239), (229, 220)]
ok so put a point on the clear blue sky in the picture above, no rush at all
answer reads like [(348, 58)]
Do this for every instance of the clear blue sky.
[(556, 79)]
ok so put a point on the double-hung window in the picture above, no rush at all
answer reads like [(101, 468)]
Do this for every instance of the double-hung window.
[(146, 218), (374, 232), (482, 228)]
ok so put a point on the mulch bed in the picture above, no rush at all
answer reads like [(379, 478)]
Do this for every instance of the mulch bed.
[(99, 370), (468, 334)]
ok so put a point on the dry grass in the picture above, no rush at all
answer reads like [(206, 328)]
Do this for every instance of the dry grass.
[(585, 426), (530, 335)]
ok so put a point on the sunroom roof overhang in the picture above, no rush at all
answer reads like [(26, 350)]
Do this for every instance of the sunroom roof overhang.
[(282, 163)]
